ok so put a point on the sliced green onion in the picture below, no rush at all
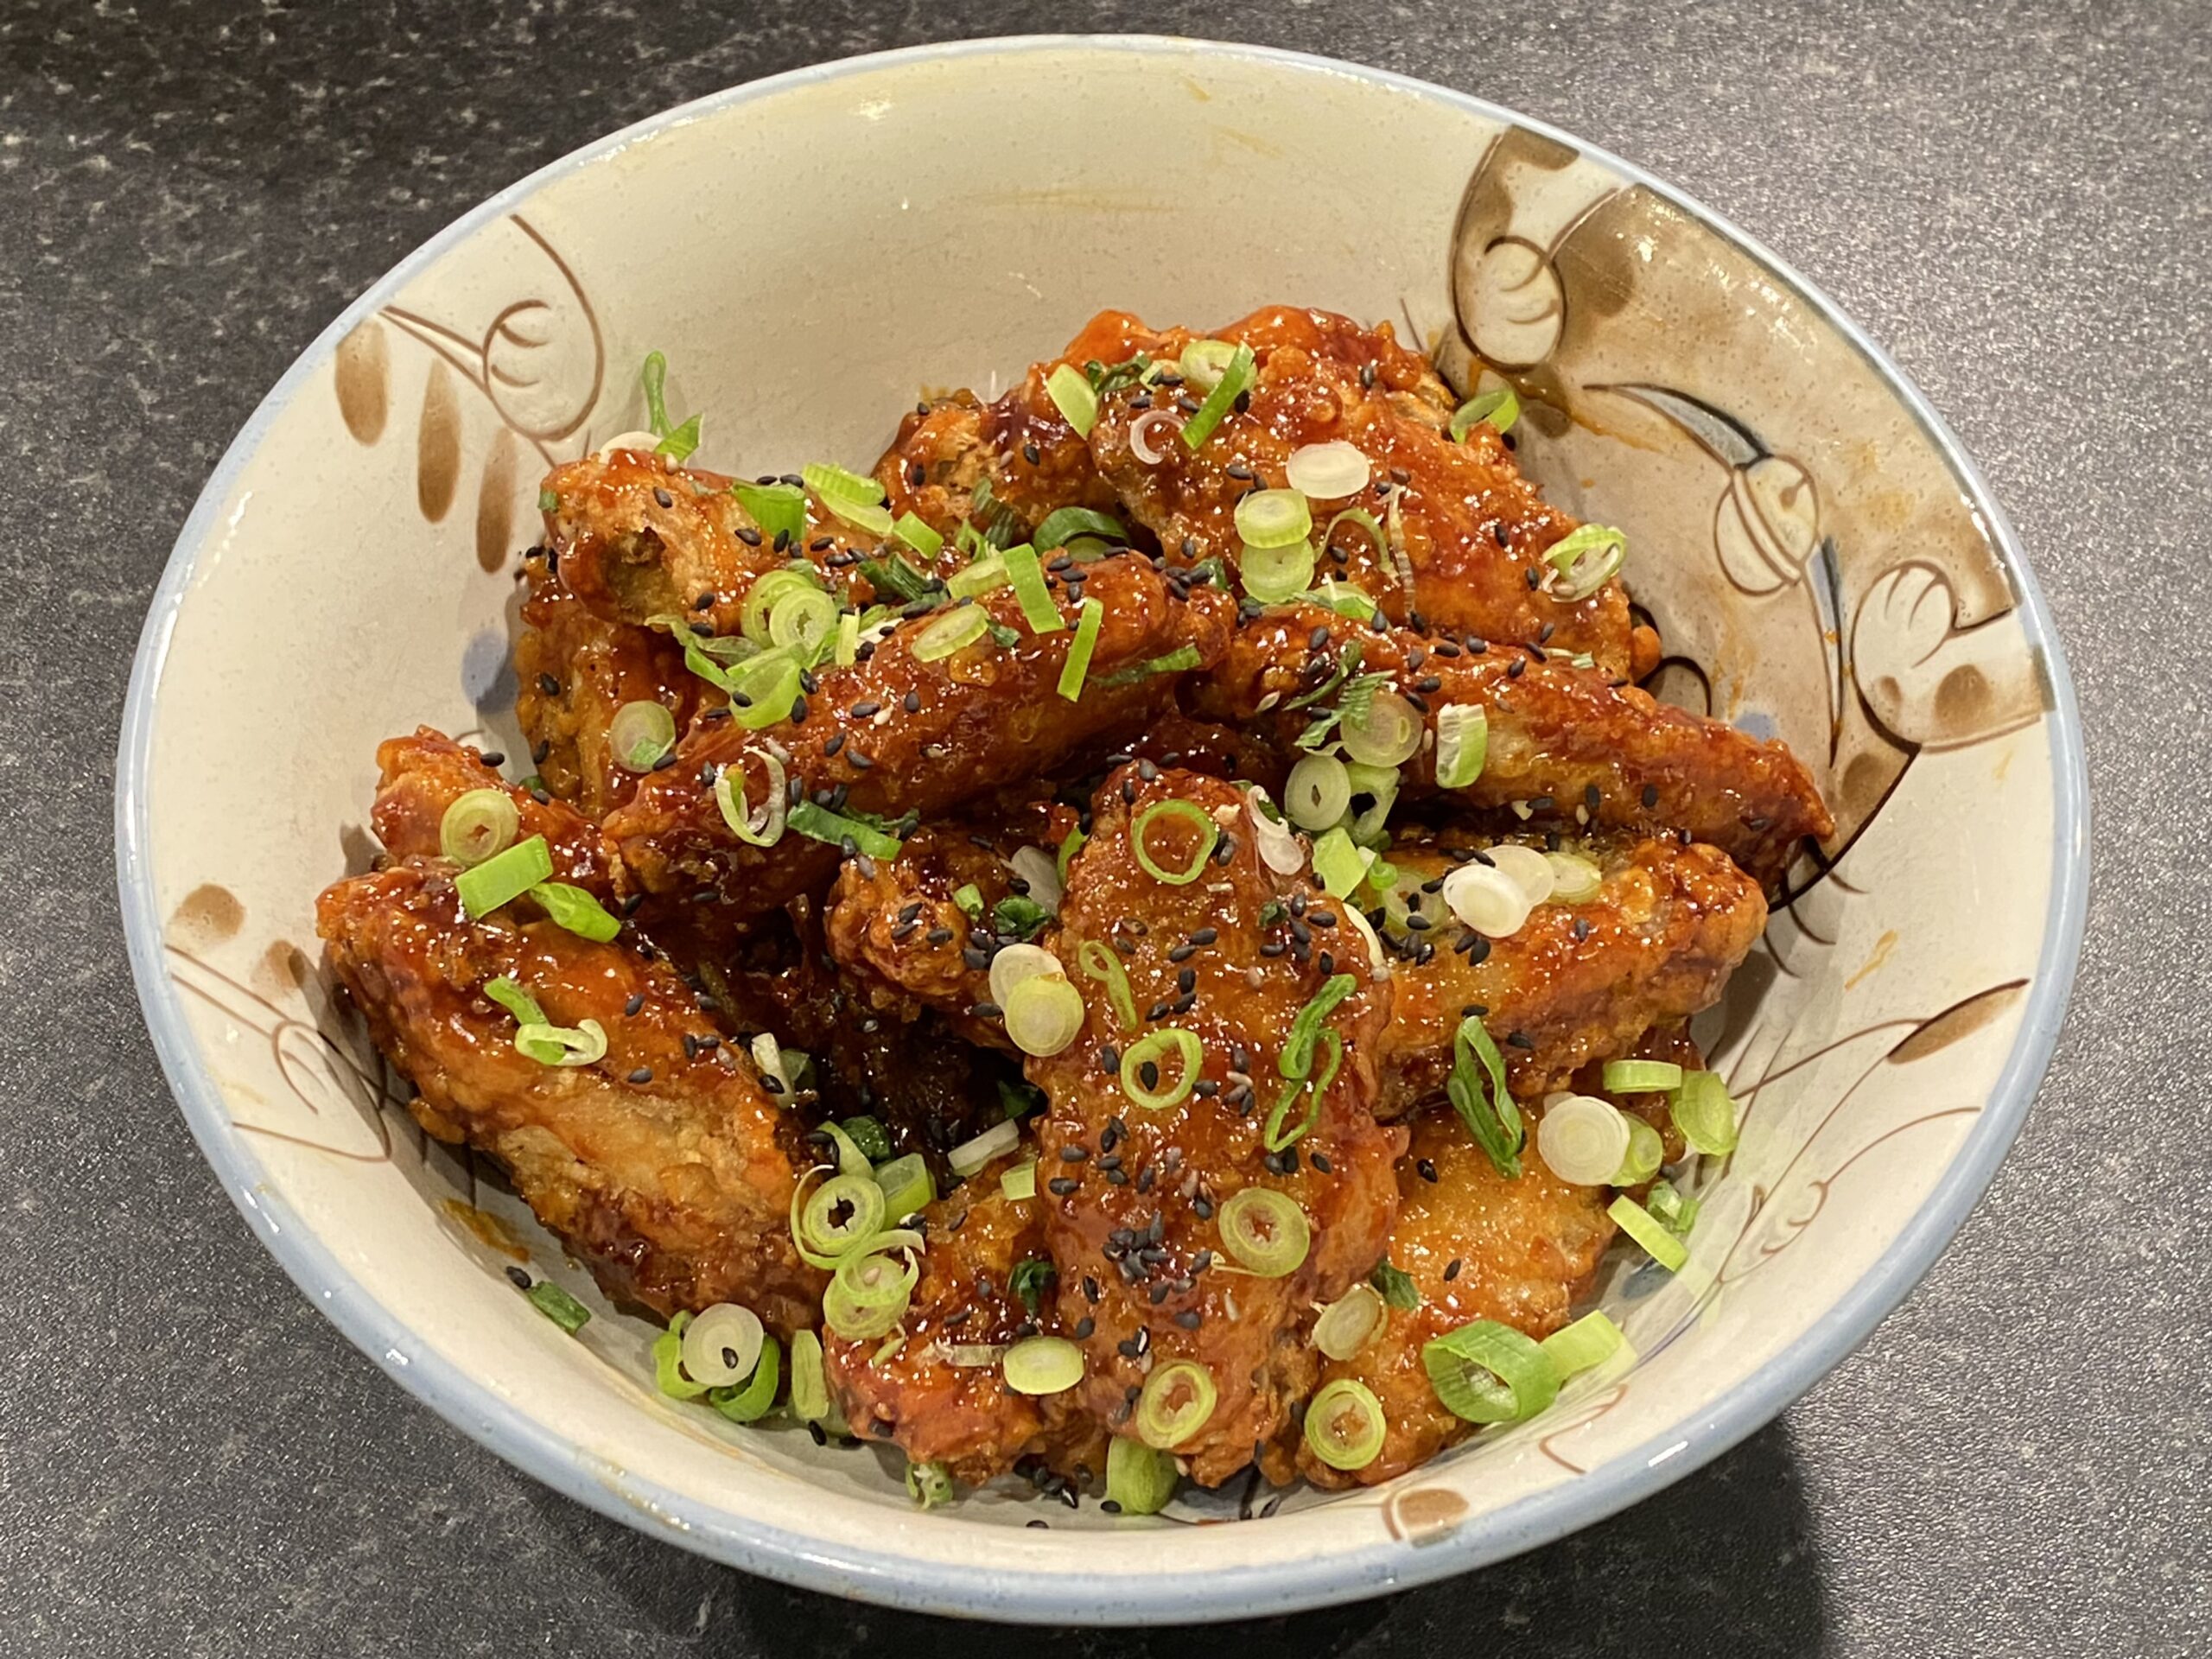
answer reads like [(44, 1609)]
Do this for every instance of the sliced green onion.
[(549, 501), (1178, 1399), (1582, 1139), (515, 1000), (1674, 1210), (1344, 1425), (1174, 662), (820, 823), (869, 1138), (1380, 785), (668, 1357), (928, 1484), (1018, 1098), (833, 483), (478, 823), (910, 529), (1071, 395), (996, 1141), (874, 521), (764, 595), (1037, 1365), (1139, 1479), (722, 1345), (1088, 622), (778, 510), (769, 687), (640, 734), (1265, 1230), (1030, 591), (1641, 1076), (908, 1187), (1275, 576), (1204, 362), (986, 575), (1396, 1286), (1100, 961), (1019, 963), (1344, 598), (1366, 521), (1064, 524), (1646, 1153), (809, 1384), (1280, 850), (1487, 1111), (1591, 1340), (1341, 866), (1209, 837), (1487, 899), (1528, 870), (1705, 1114), (1268, 519), (1350, 1323), (1279, 1132), (1499, 407), (757, 1397), (821, 1237), (557, 1304), (949, 631), (1297, 1057), (893, 575), (852, 1158), (967, 899), (1388, 734), (1585, 560), (848, 650), (1159, 1093), (1486, 1372), (1646, 1230), (1317, 793), (1018, 1183), (767, 828), (1575, 880), (1236, 380), (1328, 472), (582, 1044), (576, 910), (870, 1292), (806, 622), (1043, 1015), (504, 877)]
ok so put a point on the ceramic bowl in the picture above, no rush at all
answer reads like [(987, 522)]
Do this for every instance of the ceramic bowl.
[(1821, 558)]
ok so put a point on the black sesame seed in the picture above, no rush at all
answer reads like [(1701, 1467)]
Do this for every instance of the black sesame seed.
[(520, 1280), (1426, 1168), (1451, 1269), (642, 1074)]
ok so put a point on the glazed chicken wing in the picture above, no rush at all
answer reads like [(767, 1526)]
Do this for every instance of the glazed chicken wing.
[(664, 1164), (1473, 531), (1134, 1197), (897, 733), (1567, 743), (1478, 1245), (422, 775), (939, 1396), (1577, 982)]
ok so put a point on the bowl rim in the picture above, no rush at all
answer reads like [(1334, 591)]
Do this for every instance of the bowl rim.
[(1073, 1594)]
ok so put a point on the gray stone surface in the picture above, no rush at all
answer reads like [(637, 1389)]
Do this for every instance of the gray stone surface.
[(2012, 198)]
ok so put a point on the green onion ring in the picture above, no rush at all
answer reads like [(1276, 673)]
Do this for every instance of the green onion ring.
[(1646, 1150), (1100, 961), (809, 1386), (1039, 1365), (1152, 1047), (1640, 1225), (1178, 1399), (1072, 396), (737, 811), (1275, 576), (1591, 1340), (1064, 524), (1344, 1426), (1139, 1479), (1350, 1323), (1641, 1076), (640, 733), (767, 594), (1265, 1230), (833, 483), (1585, 560), (821, 1241), (583, 1044), (1705, 1114), (1499, 407), (1297, 1057), (757, 1396), (1486, 1372), (504, 877), (1209, 833), (1270, 518), (1043, 1015), (478, 823)]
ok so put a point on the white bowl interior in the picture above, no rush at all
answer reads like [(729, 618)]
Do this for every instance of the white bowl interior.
[(810, 253)]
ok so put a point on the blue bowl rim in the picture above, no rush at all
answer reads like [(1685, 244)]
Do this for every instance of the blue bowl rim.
[(983, 1589)]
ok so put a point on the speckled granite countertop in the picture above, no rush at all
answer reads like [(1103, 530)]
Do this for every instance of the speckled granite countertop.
[(2011, 198)]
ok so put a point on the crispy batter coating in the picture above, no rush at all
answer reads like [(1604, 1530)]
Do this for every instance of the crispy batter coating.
[(896, 733), (1518, 1251), (664, 1165), (1472, 529), (1566, 742), (1132, 1195), (962, 1415), (1578, 983)]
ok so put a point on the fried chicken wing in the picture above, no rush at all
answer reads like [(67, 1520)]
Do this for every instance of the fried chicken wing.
[(1567, 743), (939, 1396), (1478, 1245), (1472, 530), (574, 671), (663, 1165), (897, 733), (1133, 1197), (1577, 982)]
